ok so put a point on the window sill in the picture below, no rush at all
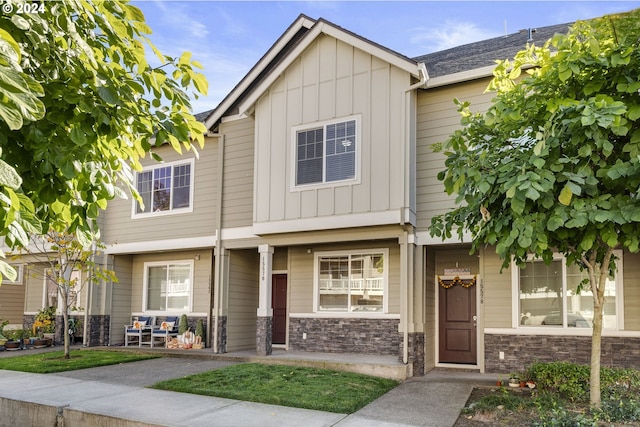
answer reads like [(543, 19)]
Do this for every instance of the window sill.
[(557, 331)]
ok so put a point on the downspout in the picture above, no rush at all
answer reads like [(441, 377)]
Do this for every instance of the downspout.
[(217, 278), (404, 248)]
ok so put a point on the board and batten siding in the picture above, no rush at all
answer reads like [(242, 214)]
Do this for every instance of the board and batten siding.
[(202, 274), (243, 299), (301, 274), (237, 194), (437, 119), (331, 80), (120, 227)]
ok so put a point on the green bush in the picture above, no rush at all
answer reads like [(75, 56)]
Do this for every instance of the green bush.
[(184, 324)]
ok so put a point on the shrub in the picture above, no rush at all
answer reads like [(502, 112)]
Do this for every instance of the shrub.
[(184, 324), (567, 379)]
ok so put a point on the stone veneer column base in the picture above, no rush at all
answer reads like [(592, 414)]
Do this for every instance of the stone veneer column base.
[(416, 353), (264, 331), (222, 334)]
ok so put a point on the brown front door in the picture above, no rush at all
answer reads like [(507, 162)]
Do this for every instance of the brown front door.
[(279, 304), (457, 329)]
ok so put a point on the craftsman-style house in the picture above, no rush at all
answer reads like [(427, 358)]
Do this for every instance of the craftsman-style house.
[(304, 222)]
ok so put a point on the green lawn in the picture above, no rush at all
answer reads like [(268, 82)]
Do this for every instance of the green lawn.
[(310, 388), (46, 363)]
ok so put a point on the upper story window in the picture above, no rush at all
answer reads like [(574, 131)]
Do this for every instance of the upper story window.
[(326, 153), (167, 188), (548, 296), (351, 281)]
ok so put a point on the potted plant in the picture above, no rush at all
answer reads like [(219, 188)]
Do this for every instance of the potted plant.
[(514, 380), (44, 324), (199, 335), (13, 340)]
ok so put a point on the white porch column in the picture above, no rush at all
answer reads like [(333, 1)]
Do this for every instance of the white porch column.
[(265, 310)]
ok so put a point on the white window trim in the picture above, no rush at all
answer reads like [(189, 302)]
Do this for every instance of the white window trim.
[(562, 330), (19, 278), (81, 295), (145, 283), (191, 161), (316, 282), (294, 154)]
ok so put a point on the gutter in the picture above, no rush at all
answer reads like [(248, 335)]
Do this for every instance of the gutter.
[(404, 245)]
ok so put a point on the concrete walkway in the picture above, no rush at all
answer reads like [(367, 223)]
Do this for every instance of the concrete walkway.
[(116, 396)]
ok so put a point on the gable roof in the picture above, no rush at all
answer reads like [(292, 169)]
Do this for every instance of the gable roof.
[(460, 63), (286, 49)]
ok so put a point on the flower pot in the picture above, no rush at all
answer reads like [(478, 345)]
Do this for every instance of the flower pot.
[(40, 343), (12, 345)]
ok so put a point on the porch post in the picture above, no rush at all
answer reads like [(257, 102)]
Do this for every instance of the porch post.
[(265, 309)]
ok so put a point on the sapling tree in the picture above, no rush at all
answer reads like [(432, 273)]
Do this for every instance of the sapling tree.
[(553, 166), (68, 268)]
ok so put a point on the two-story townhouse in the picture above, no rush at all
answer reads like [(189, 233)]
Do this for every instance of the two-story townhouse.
[(304, 223)]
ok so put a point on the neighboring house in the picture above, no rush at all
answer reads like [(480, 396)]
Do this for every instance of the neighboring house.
[(304, 223)]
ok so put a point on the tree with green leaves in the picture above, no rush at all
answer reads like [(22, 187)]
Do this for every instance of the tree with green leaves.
[(67, 268), (554, 164), (79, 107)]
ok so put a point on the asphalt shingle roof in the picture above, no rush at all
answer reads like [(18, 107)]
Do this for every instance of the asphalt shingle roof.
[(484, 53)]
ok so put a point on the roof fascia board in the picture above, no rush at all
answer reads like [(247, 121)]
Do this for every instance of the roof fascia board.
[(301, 22), (465, 76), (409, 66)]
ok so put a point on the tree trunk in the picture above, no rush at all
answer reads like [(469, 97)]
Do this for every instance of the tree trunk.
[(596, 349)]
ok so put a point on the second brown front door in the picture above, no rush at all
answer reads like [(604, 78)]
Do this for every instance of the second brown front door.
[(279, 304), (457, 324)]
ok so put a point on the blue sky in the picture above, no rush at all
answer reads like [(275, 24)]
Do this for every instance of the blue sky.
[(229, 37)]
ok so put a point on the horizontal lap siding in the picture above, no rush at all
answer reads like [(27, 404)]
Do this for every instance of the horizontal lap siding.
[(120, 227), (437, 119), (243, 300), (121, 294), (631, 271), (237, 202), (301, 274), (497, 291), (12, 303)]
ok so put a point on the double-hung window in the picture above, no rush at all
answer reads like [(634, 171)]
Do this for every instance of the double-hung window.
[(548, 296), (168, 286), (165, 189), (326, 153), (351, 282)]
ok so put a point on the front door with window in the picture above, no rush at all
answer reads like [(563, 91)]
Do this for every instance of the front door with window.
[(457, 322), (279, 304)]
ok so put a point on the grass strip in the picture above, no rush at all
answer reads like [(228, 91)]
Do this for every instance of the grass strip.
[(308, 388), (51, 362)]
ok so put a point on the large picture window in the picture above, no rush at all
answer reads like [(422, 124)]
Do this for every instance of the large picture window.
[(165, 188), (326, 153), (168, 286), (352, 282), (548, 296)]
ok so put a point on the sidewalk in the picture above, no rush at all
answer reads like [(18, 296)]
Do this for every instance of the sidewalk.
[(115, 396)]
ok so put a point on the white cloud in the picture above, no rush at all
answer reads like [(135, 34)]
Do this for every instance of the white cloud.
[(448, 35), (177, 16)]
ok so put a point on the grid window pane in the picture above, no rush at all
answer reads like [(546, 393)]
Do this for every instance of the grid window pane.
[(351, 283), (161, 189), (326, 154), (164, 188), (181, 186), (144, 186)]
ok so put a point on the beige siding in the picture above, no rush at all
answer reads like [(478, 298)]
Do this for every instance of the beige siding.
[(120, 227), (121, 294), (497, 291), (237, 203), (331, 80), (430, 309), (301, 272), (437, 119), (243, 300), (34, 292), (202, 275), (12, 302), (631, 267)]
